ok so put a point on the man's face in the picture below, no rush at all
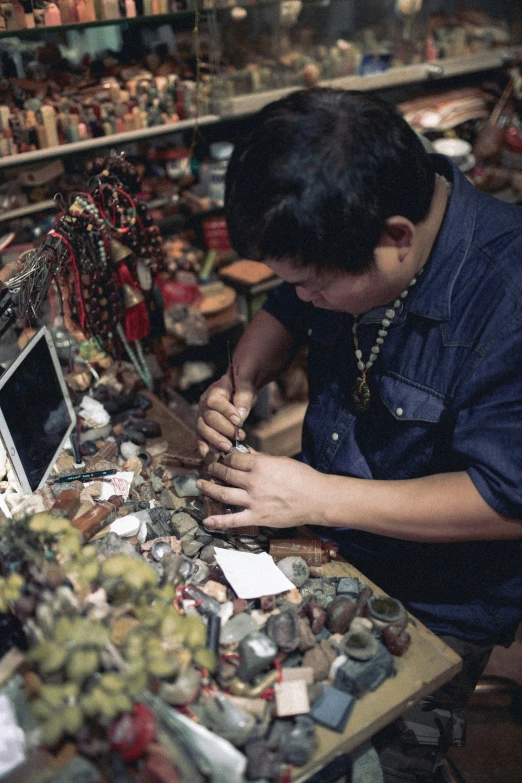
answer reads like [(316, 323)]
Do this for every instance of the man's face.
[(341, 291)]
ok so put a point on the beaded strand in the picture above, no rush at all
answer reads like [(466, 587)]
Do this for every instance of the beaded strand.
[(361, 390)]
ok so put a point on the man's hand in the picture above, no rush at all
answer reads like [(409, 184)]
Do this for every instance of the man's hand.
[(272, 491), (220, 413)]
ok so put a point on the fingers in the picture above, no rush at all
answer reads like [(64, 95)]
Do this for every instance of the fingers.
[(230, 496), (226, 473), (230, 521), (239, 460), (218, 418), (212, 436)]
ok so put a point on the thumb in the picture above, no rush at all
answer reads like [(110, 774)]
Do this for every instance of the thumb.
[(243, 399)]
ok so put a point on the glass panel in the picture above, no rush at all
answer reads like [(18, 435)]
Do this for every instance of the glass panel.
[(272, 45)]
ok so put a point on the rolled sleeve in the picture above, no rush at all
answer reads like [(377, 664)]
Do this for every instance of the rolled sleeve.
[(284, 304), (488, 431)]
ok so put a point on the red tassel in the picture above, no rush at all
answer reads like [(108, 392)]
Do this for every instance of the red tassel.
[(137, 324)]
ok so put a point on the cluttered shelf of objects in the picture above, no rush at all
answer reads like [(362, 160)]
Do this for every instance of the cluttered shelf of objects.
[(54, 22), (56, 141), (433, 70), (68, 92), (99, 142), (136, 648)]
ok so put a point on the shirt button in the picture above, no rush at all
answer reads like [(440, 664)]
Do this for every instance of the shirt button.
[(335, 436), (309, 333), (399, 411)]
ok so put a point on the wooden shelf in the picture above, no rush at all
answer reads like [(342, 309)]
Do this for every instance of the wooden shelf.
[(28, 209), (117, 139), (394, 77), (185, 20)]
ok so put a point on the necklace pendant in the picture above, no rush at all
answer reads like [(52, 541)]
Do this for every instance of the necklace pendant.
[(361, 395)]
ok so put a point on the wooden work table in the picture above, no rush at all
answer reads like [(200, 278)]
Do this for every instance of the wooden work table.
[(425, 666)]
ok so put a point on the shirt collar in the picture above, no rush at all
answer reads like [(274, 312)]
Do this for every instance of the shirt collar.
[(431, 297)]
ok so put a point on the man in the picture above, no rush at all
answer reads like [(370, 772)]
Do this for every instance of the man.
[(406, 284)]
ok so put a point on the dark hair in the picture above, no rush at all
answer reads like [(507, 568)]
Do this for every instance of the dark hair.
[(318, 176)]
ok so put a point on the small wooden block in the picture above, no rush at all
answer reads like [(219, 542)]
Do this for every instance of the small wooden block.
[(293, 673), (292, 698)]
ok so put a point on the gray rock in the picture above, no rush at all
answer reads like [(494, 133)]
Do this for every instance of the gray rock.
[(128, 449), (100, 433), (168, 499), (350, 586), (257, 651), (208, 554), (201, 572), (184, 689), (157, 484), (80, 770), (190, 546), (203, 536), (357, 677), (295, 568), (184, 524), (283, 629), (237, 628), (185, 485), (227, 720), (113, 544)]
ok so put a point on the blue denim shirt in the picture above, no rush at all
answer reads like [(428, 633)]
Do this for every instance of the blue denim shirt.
[(446, 396)]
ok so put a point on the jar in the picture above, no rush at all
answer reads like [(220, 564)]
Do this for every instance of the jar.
[(384, 611), (220, 153)]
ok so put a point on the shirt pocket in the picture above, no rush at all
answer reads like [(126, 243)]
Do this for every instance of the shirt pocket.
[(410, 424)]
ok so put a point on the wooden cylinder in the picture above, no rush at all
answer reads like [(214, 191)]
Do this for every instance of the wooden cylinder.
[(97, 517), (315, 552)]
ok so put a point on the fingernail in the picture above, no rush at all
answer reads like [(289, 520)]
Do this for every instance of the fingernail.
[(203, 450), (224, 445), (209, 523), (243, 413), (199, 484), (235, 419)]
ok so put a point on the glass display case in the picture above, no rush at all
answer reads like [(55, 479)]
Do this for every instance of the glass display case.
[(273, 46)]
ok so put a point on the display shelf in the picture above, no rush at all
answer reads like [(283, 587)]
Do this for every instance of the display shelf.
[(394, 77), (28, 209), (184, 18), (117, 139)]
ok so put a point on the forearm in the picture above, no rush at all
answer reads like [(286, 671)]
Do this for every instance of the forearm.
[(263, 351), (441, 508)]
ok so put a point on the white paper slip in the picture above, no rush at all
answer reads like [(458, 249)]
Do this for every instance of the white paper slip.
[(117, 484), (251, 575)]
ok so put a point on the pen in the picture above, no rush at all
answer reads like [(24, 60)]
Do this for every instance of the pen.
[(84, 476)]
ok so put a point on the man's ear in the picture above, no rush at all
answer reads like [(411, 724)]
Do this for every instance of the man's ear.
[(399, 231)]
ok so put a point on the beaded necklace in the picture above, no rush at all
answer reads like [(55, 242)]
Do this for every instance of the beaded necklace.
[(361, 391)]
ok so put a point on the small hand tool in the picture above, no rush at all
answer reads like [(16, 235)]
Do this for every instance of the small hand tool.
[(238, 445)]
